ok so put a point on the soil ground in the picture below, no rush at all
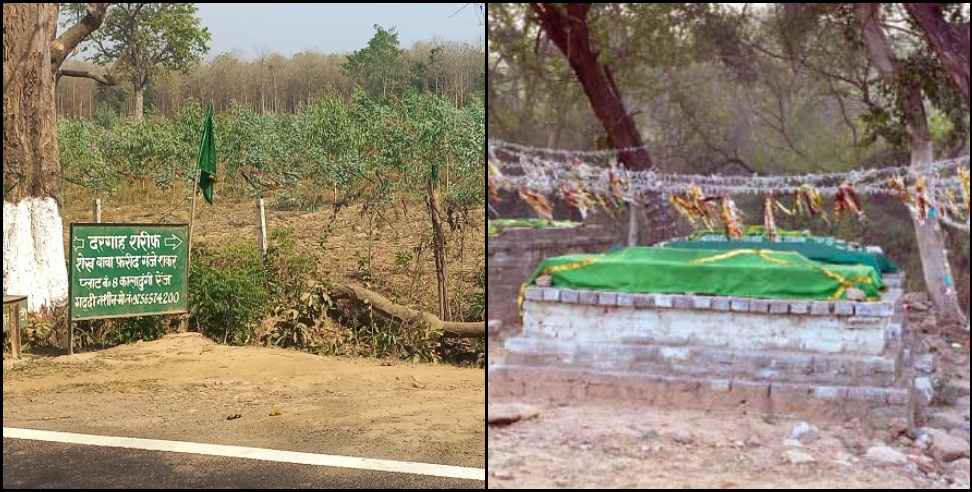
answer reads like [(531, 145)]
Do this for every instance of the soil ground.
[(625, 445), (187, 388)]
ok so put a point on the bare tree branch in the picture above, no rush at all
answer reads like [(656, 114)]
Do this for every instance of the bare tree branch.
[(63, 45), (102, 75)]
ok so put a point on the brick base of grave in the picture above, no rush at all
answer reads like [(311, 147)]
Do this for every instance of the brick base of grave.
[(844, 359), (515, 253)]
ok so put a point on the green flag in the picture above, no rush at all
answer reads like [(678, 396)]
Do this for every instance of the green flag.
[(207, 158)]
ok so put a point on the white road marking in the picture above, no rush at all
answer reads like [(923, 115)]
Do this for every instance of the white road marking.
[(443, 471)]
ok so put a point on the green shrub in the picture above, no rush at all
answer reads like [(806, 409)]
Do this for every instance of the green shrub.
[(228, 292), (476, 300), (130, 330), (289, 271)]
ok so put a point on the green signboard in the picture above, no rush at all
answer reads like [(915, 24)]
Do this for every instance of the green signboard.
[(122, 270)]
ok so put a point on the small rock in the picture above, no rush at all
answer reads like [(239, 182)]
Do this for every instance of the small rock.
[(513, 462), (494, 327), (510, 413), (771, 419), (886, 455), (898, 425), (805, 433), (947, 448), (923, 442), (924, 463), (794, 457), (683, 439), (502, 475), (959, 469), (753, 442), (960, 433), (915, 297), (649, 435), (919, 307), (792, 443), (845, 459)]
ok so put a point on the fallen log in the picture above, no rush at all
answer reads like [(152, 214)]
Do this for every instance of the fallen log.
[(403, 314)]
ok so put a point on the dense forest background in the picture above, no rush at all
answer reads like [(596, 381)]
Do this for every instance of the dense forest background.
[(274, 83)]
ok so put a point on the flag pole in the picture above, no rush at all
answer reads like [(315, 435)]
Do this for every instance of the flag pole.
[(195, 190), (192, 219)]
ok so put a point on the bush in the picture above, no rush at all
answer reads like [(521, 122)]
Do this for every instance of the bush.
[(228, 292), (476, 300), (130, 330)]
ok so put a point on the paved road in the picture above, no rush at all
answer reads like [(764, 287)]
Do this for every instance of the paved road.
[(35, 464)]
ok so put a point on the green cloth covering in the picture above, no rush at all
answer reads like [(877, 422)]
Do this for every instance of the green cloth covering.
[(814, 248), (739, 273), (750, 231), (497, 226)]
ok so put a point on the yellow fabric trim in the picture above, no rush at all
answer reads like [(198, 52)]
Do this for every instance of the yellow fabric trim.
[(552, 269), (762, 253), (843, 283)]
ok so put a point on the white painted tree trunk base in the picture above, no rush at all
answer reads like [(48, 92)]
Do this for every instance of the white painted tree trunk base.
[(33, 253)]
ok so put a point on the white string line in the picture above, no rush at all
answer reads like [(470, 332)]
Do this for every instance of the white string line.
[(536, 150), (549, 180), (653, 181)]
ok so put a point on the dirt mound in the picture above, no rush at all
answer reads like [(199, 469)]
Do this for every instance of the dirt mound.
[(174, 343)]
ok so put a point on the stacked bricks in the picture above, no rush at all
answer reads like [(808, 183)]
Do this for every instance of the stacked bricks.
[(515, 253), (852, 358)]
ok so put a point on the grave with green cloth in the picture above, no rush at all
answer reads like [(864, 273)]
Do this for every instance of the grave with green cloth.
[(496, 226), (823, 249), (753, 272), (802, 325)]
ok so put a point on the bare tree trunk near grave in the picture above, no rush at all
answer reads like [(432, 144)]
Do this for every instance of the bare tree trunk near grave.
[(567, 26), (931, 241), (33, 246)]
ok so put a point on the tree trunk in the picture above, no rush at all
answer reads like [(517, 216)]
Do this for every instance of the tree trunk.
[(570, 32), (568, 28), (139, 112), (931, 241), (33, 249), (403, 315), (438, 250), (33, 245), (934, 255)]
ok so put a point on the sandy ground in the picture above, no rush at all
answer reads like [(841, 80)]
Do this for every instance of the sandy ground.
[(184, 387), (627, 445)]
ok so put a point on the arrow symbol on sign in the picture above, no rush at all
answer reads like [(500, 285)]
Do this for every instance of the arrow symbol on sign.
[(173, 241)]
